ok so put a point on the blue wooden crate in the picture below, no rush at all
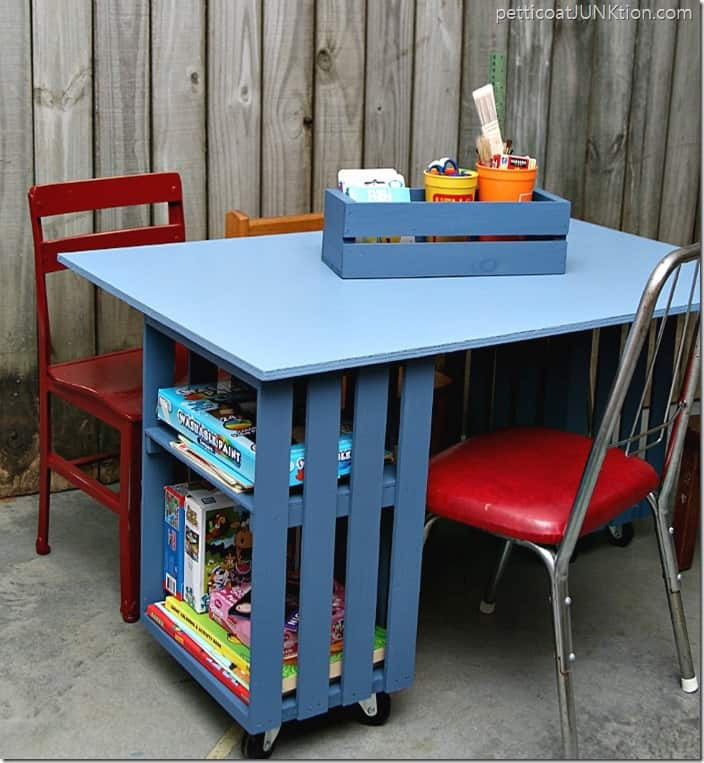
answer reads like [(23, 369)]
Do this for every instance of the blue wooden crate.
[(542, 225)]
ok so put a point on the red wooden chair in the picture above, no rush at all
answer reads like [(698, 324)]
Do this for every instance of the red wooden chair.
[(543, 489), (107, 386)]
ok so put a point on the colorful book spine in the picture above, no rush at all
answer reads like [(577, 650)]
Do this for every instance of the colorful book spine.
[(207, 629), (203, 658), (228, 665)]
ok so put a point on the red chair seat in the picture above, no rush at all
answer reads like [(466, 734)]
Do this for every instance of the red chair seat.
[(113, 380), (521, 483)]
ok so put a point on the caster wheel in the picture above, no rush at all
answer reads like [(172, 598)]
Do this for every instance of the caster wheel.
[(620, 535), (383, 711), (253, 747)]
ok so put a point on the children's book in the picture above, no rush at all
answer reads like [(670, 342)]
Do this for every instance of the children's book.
[(224, 425), (239, 653), (200, 456), (182, 637)]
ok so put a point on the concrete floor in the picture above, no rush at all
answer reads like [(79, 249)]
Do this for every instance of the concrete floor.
[(76, 682)]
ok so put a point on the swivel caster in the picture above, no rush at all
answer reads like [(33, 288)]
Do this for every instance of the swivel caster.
[(620, 535), (259, 746), (374, 711)]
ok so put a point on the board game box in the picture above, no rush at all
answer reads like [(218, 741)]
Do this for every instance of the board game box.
[(224, 423), (217, 547), (174, 533)]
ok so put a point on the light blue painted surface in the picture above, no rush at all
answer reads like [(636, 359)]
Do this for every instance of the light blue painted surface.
[(270, 306), (348, 225)]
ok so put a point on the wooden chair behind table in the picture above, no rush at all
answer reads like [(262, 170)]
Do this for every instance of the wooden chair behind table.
[(237, 223), (547, 487), (108, 386)]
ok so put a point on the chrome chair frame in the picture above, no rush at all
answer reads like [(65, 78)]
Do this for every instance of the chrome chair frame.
[(557, 559)]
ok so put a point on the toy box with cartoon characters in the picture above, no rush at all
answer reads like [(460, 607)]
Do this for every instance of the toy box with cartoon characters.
[(224, 424), (218, 547), (174, 533), (232, 608)]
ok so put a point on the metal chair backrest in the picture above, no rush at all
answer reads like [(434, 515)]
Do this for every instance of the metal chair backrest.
[(239, 224), (95, 194), (681, 266)]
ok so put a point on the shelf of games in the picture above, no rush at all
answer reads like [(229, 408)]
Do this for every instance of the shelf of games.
[(203, 618)]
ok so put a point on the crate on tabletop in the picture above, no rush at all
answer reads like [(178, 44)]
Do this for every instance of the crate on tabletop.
[(399, 239)]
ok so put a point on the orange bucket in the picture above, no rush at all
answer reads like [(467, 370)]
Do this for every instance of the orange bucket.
[(505, 185)]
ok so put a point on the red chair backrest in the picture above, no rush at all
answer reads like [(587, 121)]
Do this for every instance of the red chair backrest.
[(87, 195)]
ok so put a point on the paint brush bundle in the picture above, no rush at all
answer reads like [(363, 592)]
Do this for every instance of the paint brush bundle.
[(486, 108)]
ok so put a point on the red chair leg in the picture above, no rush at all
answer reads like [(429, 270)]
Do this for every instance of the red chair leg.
[(130, 500), (42, 544)]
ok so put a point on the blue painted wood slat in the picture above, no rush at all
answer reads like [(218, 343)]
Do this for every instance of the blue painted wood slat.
[(318, 542), (662, 380), (269, 531), (567, 382), (409, 513), (363, 531), (157, 467), (628, 415), (607, 365), (528, 404), (481, 381), (454, 258), (504, 370)]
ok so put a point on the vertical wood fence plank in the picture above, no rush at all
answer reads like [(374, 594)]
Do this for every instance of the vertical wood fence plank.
[(389, 83), (572, 50), (680, 183), (647, 125), (287, 106), (482, 37), (528, 75), (339, 92), (609, 103), (18, 361), (63, 133), (234, 110), (436, 85), (178, 104), (122, 143)]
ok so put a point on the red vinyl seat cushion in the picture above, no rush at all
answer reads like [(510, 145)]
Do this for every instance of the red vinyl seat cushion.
[(521, 483), (114, 378)]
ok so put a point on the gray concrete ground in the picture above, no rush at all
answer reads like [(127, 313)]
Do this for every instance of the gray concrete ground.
[(76, 682)]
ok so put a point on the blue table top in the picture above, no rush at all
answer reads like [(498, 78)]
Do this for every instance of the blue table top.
[(272, 308)]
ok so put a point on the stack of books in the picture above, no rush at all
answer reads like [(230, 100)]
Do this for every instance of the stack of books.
[(223, 655)]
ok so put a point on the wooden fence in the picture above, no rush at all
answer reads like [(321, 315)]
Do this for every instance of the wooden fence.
[(258, 103)]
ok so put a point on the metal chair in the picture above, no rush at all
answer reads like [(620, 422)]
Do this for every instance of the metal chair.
[(543, 488), (107, 386)]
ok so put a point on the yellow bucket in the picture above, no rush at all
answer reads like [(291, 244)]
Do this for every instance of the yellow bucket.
[(451, 187)]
